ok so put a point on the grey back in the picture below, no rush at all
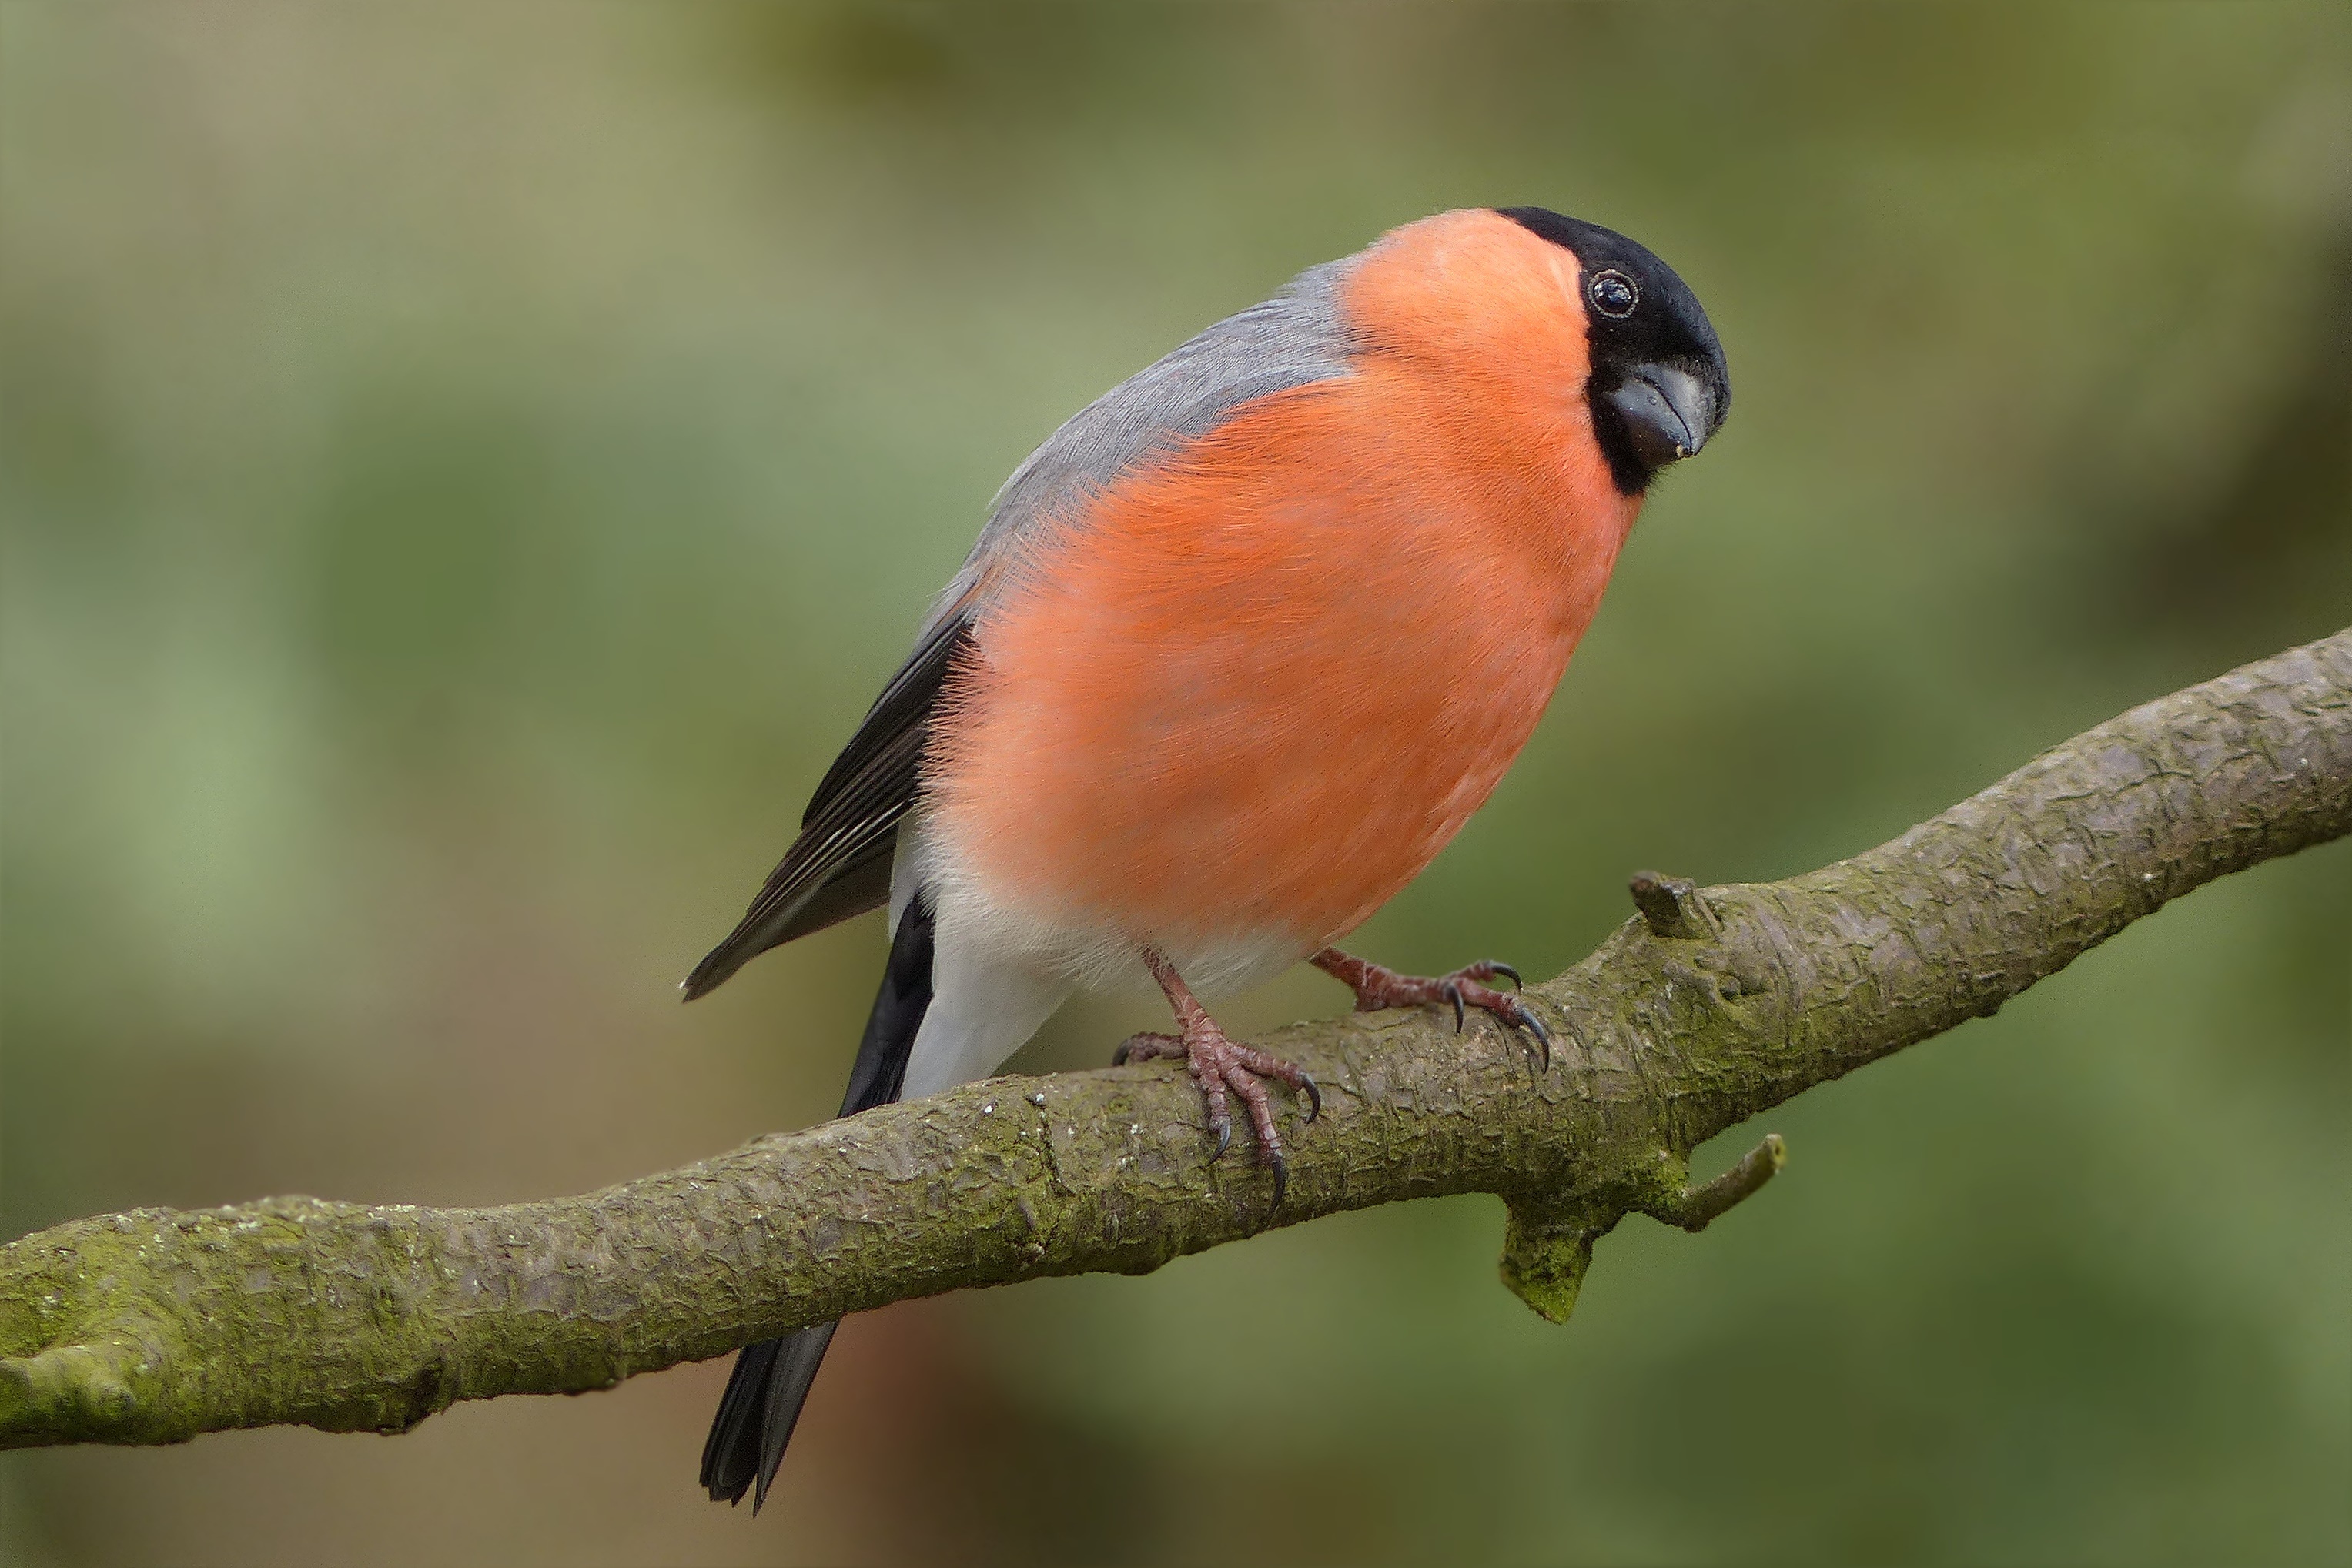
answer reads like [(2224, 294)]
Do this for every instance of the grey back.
[(1297, 338)]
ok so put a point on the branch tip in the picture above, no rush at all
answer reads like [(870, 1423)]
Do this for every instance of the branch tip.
[(1694, 1208)]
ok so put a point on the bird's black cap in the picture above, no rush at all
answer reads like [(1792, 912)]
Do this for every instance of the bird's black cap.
[(1658, 386)]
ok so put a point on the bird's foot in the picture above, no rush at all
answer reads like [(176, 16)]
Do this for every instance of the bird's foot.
[(1221, 1069), (1378, 986)]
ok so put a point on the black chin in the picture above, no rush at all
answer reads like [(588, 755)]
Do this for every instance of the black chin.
[(1628, 471), (1655, 415)]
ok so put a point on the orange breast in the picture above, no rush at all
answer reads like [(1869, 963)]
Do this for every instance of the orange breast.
[(1255, 688)]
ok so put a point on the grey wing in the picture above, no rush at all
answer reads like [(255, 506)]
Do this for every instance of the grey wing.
[(840, 865), (1297, 338)]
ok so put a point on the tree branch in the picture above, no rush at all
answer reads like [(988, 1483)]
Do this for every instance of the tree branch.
[(153, 1326)]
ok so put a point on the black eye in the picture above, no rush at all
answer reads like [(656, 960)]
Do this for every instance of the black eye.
[(1613, 293)]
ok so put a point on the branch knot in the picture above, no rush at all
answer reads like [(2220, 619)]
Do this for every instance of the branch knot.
[(1673, 907), (1548, 1248)]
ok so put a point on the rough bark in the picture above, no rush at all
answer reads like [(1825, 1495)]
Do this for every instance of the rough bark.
[(1714, 1005)]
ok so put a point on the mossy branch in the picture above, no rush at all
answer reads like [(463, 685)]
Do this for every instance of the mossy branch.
[(1717, 1004)]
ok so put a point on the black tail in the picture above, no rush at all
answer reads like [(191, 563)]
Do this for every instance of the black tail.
[(771, 1378)]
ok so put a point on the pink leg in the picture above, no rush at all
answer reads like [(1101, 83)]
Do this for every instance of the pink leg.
[(1377, 987), (1222, 1068)]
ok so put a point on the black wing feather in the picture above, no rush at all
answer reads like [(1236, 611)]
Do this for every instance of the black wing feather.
[(840, 865), (904, 704)]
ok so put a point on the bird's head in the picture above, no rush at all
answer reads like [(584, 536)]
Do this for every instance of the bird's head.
[(1656, 383), (1574, 329)]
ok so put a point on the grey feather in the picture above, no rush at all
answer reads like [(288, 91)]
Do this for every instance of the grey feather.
[(1293, 340)]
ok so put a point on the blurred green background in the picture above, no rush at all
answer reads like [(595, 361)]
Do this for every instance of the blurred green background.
[(466, 467)]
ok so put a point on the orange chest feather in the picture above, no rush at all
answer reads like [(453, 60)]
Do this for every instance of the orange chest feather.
[(1253, 689)]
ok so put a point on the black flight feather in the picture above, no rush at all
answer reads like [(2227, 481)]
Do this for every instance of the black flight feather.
[(771, 1378), (840, 865)]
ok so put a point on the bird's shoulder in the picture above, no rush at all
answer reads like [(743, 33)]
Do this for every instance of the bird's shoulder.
[(1296, 338)]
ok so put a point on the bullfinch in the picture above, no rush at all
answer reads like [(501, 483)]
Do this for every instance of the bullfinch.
[(1241, 646)]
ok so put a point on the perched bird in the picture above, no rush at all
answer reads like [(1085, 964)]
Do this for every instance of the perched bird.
[(1241, 646)]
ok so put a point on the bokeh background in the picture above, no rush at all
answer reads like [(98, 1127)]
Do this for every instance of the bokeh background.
[(466, 467)]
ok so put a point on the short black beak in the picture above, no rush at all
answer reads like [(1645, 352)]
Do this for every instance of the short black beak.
[(1668, 413)]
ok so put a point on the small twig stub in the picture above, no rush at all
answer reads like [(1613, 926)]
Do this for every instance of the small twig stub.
[(1673, 907), (1694, 1208)]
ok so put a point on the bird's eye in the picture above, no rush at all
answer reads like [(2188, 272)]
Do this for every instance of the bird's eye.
[(1613, 293)]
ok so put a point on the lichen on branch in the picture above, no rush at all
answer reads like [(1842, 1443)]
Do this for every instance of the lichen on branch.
[(1713, 1006)]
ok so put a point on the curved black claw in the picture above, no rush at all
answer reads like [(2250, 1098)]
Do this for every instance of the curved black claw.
[(1119, 1057), (1508, 973), (1281, 1178), (1453, 994), (1313, 1096), (1541, 1031), (1224, 1127)]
